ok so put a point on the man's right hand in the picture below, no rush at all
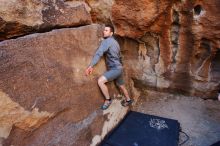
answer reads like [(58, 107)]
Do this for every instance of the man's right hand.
[(89, 70)]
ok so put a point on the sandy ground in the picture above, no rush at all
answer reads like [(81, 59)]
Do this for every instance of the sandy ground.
[(198, 118)]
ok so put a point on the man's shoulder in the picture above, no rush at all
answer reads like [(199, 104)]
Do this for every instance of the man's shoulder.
[(108, 40), (112, 40)]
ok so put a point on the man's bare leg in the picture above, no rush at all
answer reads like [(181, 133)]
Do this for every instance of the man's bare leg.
[(125, 92), (101, 82)]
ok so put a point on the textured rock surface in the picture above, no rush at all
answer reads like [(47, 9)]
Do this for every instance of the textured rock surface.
[(28, 16), (13, 114), (135, 18), (46, 71), (177, 47), (45, 99), (100, 10)]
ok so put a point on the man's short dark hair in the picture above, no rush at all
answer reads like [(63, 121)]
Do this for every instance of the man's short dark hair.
[(112, 29)]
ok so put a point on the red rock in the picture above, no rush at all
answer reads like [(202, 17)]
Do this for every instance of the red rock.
[(134, 18), (178, 44), (168, 46), (23, 17)]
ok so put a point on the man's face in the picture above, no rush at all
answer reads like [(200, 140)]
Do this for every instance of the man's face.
[(107, 32)]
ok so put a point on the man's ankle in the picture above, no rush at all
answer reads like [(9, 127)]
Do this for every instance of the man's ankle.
[(109, 99), (128, 99)]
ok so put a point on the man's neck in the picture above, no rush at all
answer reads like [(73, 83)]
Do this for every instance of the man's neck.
[(108, 37)]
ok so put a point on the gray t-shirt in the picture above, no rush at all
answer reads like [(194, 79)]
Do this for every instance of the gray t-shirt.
[(111, 49)]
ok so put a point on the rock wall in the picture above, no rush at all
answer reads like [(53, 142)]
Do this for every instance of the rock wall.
[(177, 44), (45, 98), (21, 17), (50, 101)]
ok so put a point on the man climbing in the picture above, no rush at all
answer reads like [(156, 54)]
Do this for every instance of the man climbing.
[(111, 49)]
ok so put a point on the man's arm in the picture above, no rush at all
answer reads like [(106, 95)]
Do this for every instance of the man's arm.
[(99, 53)]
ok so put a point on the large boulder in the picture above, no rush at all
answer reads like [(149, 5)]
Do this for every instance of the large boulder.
[(45, 97), (28, 16)]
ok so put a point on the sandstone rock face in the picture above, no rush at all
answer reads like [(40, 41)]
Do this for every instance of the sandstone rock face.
[(45, 98), (22, 17), (42, 79), (13, 114), (100, 10), (135, 18), (177, 44)]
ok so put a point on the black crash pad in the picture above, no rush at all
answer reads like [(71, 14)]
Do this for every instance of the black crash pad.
[(138, 129)]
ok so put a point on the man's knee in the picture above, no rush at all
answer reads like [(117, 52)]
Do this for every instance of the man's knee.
[(102, 80)]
